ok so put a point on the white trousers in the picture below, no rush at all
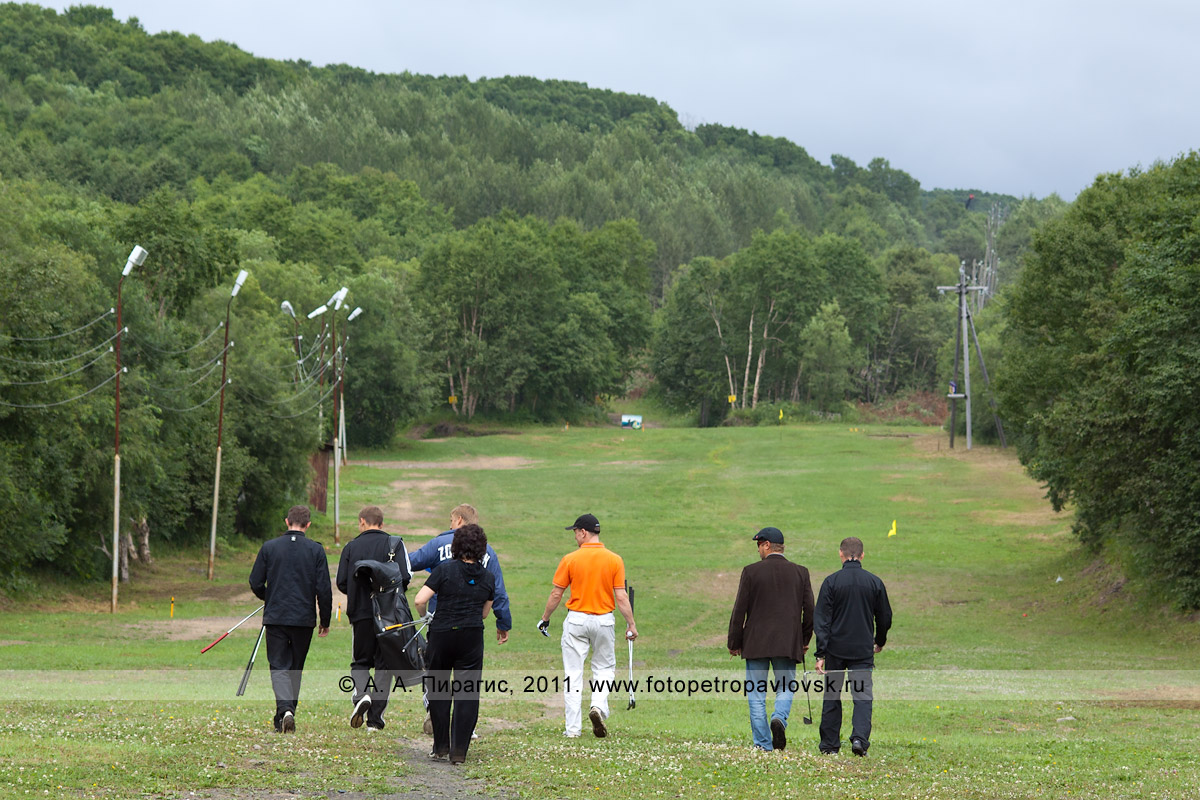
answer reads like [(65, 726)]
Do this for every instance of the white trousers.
[(580, 632)]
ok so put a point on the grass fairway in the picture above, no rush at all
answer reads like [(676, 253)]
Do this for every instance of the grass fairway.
[(999, 681)]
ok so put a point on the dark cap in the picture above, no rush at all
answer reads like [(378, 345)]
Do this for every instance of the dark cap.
[(772, 535), (587, 522)]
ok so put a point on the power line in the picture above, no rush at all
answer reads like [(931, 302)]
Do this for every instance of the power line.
[(310, 408), (177, 389), (214, 359), (307, 388), (149, 346), (57, 335), (211, 397), (57, 361), (58, 377), (61, 402)]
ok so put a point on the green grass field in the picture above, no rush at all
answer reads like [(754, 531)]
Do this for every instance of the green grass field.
[(999, 681)]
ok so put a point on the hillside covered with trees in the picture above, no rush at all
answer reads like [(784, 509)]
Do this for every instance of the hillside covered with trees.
[(526, 247)]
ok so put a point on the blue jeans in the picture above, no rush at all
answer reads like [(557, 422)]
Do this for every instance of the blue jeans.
[(757, 684)]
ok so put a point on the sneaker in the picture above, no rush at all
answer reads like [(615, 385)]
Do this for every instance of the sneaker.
[(458, 758), (360, 710), (858, 747), (597, 723), (427, 728), (570, 735), (373, 728), (436, 756), (288, 724), (778, 735)]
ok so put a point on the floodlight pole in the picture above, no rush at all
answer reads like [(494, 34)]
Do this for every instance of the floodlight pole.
[(137, 257), (286, 307), (341, 384), (212, 539), (338, 298)]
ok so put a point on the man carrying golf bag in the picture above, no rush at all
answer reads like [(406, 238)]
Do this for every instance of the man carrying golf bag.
[(370, 696), (290, 574), (771, 625)]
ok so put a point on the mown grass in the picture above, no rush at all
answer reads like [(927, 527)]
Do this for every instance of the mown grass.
[(998, 680)]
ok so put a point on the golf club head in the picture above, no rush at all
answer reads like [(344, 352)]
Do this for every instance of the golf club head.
[(632, 704)]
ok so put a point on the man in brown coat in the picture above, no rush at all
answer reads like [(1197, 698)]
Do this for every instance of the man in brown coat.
[(771, 625)]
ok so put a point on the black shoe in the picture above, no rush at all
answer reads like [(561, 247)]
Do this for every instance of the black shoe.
[(597, 723), (360, 710), (778, 735), (825, 752), (288, 723), (436, 756), (458, 758), (858, 747)]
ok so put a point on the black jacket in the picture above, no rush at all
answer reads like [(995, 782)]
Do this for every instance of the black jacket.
[(773, 613), (291, 571), (370, 545), (853, 614)]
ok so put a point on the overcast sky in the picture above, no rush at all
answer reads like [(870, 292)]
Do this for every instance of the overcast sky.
[(1024, 97)]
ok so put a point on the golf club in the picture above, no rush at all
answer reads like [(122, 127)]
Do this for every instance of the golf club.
[(246, 676), (632, 699), (418, 621), (807, 696), (231, 630)]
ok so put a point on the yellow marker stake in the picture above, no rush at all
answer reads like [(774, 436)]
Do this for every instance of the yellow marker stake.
[(339, 616), (892, 532)]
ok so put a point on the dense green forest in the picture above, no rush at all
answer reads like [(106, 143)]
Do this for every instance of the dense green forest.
[(1100, 370), (526, 247)]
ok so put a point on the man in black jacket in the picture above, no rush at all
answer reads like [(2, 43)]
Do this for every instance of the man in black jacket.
[(771, 625), (290, 573), (370, 695), (853, 618)]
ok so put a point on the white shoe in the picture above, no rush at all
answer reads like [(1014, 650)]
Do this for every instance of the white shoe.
[(570, 735), (360, 709)]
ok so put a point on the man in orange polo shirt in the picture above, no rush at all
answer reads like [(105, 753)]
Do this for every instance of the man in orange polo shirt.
[(596, 578)]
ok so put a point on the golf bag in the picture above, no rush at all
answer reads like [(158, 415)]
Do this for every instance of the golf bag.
[(401, 649)]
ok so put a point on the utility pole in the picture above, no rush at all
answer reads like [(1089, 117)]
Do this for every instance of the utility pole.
[(963, 290), (137, 257)]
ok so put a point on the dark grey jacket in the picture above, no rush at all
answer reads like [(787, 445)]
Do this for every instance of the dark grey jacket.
[(290, 573), (853, 615)]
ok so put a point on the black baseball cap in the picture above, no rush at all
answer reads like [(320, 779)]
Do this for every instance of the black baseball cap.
[(772, 535), (587, 522)]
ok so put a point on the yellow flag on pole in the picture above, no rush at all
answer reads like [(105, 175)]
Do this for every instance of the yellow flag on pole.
[(892, 532)]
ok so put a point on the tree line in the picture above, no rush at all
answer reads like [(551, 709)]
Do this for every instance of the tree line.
[(524, 247)]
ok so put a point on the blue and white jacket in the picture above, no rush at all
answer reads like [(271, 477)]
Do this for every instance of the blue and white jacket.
[(437, 550)]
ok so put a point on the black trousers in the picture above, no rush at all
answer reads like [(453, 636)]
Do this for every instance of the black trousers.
[(287, 647), (454, 666), (363, 659), (860, 685)]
